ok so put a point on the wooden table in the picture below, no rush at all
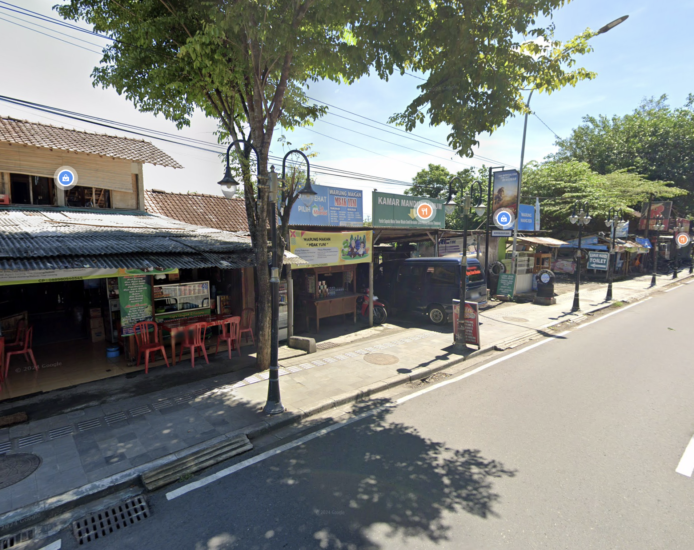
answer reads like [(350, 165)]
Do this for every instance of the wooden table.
[(331, 306), (175, 326)]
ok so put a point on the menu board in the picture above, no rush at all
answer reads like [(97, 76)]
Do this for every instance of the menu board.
[(507, 284), (135, 296)]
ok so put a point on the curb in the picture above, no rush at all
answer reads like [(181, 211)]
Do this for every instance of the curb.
[(22, 518)]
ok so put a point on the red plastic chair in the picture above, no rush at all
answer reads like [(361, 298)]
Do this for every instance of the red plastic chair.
[(231, 335), (148, 342), (25, 350), (195, 339), (2, 360), (18, 339), (247, 316)]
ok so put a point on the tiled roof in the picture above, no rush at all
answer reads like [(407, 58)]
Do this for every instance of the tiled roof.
[(207, 210), (24, 132), (63, 238)]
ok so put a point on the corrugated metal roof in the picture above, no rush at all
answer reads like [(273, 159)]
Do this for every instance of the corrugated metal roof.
[(38, 238), (23, 132)]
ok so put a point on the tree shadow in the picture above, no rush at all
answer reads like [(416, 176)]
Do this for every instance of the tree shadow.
[(356, 486)]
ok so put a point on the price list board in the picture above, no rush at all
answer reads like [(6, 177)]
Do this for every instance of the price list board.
[(135, 295)]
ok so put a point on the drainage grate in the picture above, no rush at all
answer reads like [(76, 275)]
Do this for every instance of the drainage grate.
[(30, 440), (100, 524), (5, 447), (326, 345), (162, 405), (89, 424), (15, 540), (137, 411), (115, 417), (59, 432)]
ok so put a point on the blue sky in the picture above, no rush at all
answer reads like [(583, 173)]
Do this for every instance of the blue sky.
[(648, 55)]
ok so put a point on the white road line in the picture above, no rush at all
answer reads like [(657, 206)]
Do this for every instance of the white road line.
[(686, 465), (689, 282), (57, 545), (305, 439), (673, 288), (613, 313)]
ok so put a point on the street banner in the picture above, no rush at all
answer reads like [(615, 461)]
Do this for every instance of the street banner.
[(332, 206), (622, 230), (24, 277), (403, 211), (507, 285), (526, 217), (537, 214), (661, 208), (466, 331), (506, 191), (321, 249), (598, 260)]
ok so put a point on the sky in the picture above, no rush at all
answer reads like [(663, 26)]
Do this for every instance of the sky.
[(648, 55)]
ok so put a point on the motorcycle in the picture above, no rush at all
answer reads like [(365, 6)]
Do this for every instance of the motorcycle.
[(380, 313)]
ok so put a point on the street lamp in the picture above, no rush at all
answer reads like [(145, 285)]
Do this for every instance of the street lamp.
[(614, 218), (274, 402), (658, 225), (675, 249), (579, 215), (470, 195)]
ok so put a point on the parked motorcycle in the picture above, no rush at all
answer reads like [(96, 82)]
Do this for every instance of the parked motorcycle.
[(380, 313)]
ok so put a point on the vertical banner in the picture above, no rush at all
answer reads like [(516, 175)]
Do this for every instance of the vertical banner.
[(135, 295), (526, 218), (467, 329), (537, 214), (658, 209), (506, 191)]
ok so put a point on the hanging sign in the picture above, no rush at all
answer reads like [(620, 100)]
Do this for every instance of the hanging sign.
[(331, 206), (526, 217), (467, 329), (504, 218), (322, 249), (403, 211), (682, 240), (65, 177), (660, 213), (506, 191)]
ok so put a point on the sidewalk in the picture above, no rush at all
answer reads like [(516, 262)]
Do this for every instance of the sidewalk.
[(89, 450)]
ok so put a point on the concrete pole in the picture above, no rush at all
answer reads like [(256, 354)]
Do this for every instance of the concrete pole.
[(290, 302), (514, 260), (371, 293)]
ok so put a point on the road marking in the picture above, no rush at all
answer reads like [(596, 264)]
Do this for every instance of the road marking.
[(686, 465), (689, 282), (673, 288), (57, 545), (305, 439), (613, 313)]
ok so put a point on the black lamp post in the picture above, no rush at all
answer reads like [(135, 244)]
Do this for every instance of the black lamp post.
[(472, 194), (579, 215), (614, 218), (675, 248), (658, 225), (230, 185)]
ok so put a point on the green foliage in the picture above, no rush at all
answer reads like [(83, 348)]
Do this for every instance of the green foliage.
[(655, 141), (560, 184)]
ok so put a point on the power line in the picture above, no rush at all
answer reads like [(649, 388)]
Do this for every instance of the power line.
[(49, 29), (47, 19), (49, 35), (550, 129)]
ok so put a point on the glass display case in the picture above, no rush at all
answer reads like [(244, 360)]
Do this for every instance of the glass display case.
[(180, 299)]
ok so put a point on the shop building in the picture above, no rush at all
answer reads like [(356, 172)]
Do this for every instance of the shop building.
[(80, 264)]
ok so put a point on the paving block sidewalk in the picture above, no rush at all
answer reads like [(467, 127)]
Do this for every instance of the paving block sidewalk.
[(89, 449)]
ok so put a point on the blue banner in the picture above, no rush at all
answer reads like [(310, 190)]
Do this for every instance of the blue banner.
[(526, 218), (331, 206)]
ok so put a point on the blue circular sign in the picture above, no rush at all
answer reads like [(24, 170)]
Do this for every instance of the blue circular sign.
[(503, 218), (65, 177)]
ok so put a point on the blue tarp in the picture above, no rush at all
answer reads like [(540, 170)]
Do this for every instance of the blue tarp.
[(646, 243), (587, 243)]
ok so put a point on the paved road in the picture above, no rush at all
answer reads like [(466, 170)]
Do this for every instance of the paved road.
[(573, 444)]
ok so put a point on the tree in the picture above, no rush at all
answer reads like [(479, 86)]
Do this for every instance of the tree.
[(560, 184), (655, 141), (433, 183), (247, 64)]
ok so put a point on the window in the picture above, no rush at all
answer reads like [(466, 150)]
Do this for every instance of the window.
[(31, 189), (411, 275), (443, 275), (88, 197), (474, 274)]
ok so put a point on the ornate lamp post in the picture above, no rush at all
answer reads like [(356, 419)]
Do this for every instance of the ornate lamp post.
[(470, 195), (658, 225), (229, 187), (579, 215), (614, 218)]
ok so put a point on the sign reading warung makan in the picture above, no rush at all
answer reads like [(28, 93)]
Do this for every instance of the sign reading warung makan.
[(321, 249), (403, 211)]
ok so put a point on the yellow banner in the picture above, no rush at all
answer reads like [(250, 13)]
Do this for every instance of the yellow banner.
[(321, 249)]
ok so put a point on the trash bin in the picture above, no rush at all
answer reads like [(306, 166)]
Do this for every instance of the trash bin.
[(495, 269), (545, 285)]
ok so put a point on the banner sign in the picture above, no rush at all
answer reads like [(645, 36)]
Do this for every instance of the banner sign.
[(526, 217), (507, 285), (135, 295), (598, 260), (25, 277), (467, 330), (404, 211), (322, 249), (622, 230), (506, 191), (331, 206), (661, 208)]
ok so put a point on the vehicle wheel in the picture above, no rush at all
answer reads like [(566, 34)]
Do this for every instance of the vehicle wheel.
[(380, 315), (437, 314)]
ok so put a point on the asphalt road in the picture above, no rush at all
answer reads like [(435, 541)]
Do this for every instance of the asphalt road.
[(572, 443)]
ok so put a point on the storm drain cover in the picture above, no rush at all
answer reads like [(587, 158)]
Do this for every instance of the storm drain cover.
[(326, 345), (380, 358), (15, 468), (100, 524), (516, 319)]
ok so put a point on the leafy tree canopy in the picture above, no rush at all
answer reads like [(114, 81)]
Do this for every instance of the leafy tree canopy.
[(655, 141), (560, 184)]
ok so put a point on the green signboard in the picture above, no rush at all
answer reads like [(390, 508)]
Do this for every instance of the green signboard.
[(402, 211), (507, 284), (135, 294)]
